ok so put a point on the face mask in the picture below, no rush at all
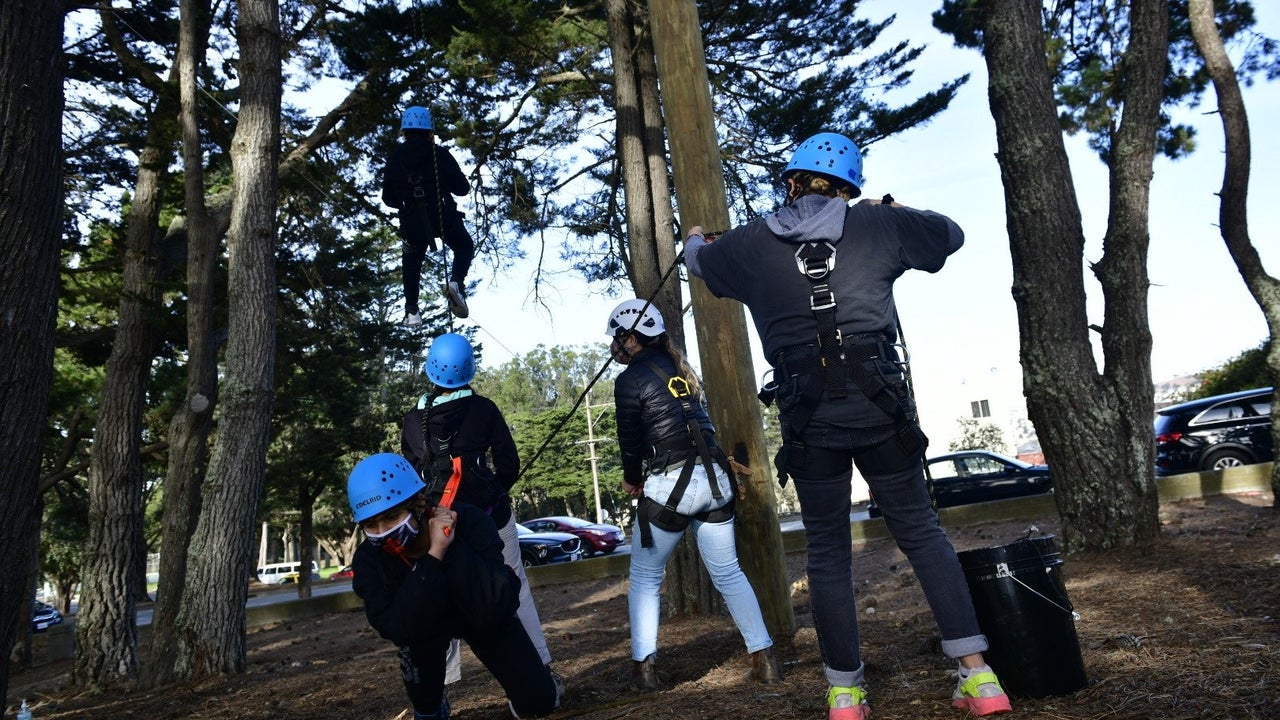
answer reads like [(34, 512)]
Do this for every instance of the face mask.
[(395, 539)]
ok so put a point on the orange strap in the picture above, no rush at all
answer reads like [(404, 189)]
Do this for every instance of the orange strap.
[(451, 487)]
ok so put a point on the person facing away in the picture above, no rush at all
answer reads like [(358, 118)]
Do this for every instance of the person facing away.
[(428, 574), (452, 421), (420, 179), (829, 333), (671, 462)]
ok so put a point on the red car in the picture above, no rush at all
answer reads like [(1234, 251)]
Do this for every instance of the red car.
[(596, 537), (345, 573)]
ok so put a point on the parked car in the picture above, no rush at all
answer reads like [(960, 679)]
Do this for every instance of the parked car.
[(1214, 433), (44, 616), (973, 476), (346, 573), (285, 572), (597, 537), (542, 548)]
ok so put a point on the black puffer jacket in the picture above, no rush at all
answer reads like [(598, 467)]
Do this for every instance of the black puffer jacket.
[(648, 414)]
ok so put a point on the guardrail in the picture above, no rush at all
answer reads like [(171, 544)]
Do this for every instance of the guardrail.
[(58, 641)]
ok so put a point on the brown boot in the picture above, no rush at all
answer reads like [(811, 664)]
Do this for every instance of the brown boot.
[(644, 673), (764, 667)]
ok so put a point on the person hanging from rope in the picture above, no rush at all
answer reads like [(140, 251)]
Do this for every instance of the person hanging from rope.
[(428, 573), (420, 179), (672, 464), (454, 428), (818, 278)]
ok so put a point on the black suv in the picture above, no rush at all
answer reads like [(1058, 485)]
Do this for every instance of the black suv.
[(1214, 433)]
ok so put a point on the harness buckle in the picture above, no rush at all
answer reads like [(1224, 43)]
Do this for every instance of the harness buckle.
[(679, 387), (818, 266), (822, 298)]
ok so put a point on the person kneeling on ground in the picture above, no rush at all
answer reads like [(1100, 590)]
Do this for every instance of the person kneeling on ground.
[(428, 574)]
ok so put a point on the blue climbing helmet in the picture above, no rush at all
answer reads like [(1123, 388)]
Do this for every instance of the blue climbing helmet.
[(451, 363), (379, 483), (416, 118), (830, 154)]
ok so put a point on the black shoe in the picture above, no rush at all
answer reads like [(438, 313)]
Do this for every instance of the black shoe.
[(764, 667), (644, 673)]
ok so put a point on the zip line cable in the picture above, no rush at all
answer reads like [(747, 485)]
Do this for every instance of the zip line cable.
[(578, 403)]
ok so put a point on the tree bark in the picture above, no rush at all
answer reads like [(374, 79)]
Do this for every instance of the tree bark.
[(670, 297), (1095, 427), (720, 324), (31, 71), (189, 428), (1233, 216), (106, 624), (651, 252), (211, 621)]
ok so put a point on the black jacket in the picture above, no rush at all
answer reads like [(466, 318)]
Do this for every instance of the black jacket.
[(649, 415), (875, 244), (412, 171), (476, 431), (471, 590)]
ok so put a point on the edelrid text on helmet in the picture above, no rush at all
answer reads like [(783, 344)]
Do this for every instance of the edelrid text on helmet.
[(379, 483), (416, 118), (636, 315), (451, 362), (830, 154)]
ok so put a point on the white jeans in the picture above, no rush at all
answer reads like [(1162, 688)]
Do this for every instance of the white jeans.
[(719, 556), (697, 495), (528, 612)]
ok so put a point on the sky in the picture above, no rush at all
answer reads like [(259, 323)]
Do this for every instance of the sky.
[(962, 320)]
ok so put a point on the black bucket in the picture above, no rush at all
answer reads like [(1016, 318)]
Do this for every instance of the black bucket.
[(1023, 610)]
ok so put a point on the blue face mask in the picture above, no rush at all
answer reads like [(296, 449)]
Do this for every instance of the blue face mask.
[(397, 538)]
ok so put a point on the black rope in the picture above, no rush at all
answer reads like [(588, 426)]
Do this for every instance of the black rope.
[(577, 403)]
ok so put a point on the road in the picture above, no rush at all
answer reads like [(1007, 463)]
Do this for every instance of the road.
[(284, 593)]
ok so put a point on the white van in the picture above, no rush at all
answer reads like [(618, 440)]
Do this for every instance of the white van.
[(286, 572)]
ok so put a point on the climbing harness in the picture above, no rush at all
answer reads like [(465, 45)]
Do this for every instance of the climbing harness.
[(836, 359), (687, 450)]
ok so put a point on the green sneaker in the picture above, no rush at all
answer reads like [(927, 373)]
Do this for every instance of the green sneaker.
[(981, 694), (847, 703)]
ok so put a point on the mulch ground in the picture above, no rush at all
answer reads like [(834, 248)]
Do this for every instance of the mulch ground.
[(1185, 628)]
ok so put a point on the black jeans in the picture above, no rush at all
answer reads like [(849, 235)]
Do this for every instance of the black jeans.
[(418, 227), (911, 519), (505, 650)]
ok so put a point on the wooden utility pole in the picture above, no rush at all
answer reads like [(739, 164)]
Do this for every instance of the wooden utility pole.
[(720, 325)]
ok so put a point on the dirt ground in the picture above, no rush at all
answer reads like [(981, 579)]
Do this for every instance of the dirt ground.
[(1187, 628)]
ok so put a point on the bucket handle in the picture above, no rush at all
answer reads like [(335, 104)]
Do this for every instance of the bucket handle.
[(1002, 571)]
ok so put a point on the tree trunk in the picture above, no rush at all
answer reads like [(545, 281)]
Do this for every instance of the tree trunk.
[(190, 425), (211, 622), (670, 297), (690, 590), (106, 625), (307, 535), (31, 70), (1095, 427), (721, 324), (1233, 216), (651, 251)]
